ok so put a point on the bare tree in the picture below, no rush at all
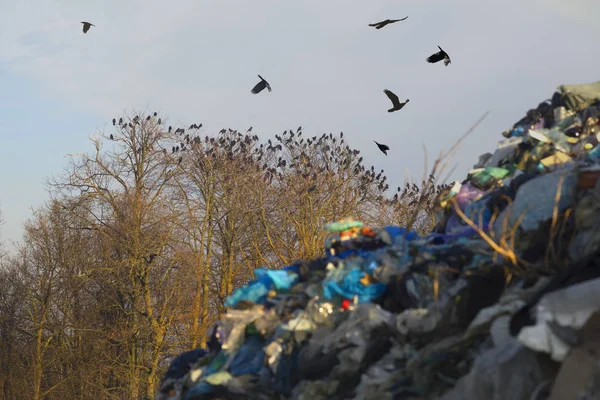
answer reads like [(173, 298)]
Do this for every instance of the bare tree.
[(132, 260), (13, 365), (213, 193), (123, 196), (409, 200), (312, 181)]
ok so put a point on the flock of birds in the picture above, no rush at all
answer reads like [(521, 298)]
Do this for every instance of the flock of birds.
[(396, 103)]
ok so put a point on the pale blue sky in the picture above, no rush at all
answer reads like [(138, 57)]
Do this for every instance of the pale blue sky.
[(196, 61)]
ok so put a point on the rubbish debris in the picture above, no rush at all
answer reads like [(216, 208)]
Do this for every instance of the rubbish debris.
[(499, 302), (579, 375), (559, 316)]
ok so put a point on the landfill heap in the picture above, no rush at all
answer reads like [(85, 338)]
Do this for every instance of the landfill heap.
[(501, 301)]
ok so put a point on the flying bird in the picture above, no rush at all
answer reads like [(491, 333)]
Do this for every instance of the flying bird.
[(86, 26), (381, 24), (395, 101), (384, 148), (439, 56), (260, 86)]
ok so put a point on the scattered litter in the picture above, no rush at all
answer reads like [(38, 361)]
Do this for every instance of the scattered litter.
[(501, 301)]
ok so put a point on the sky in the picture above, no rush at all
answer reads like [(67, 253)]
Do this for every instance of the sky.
[(195, 61)]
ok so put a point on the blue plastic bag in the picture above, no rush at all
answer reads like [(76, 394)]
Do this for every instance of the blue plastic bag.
[(351, 286), (287, 372), (180, 365), (266, 279), (250, 357), (396, 231), (199, 391)]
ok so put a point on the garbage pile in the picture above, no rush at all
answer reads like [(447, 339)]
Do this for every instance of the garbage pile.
[(500, 301)]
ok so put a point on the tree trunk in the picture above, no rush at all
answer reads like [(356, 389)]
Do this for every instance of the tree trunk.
[(152, 375), (38, 367), (134, 381)]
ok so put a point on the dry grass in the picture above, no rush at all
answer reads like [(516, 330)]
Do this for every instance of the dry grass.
[(506, 244), (439, 166)]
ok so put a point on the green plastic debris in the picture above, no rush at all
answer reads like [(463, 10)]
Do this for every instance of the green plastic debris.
[(218, 378), (578, 97), (486, 178), (219, 361), (251, 329), (343, 225)]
